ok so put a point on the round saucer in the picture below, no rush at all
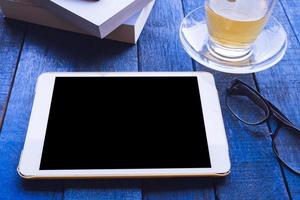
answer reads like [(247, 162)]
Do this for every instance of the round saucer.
[(268, 49)]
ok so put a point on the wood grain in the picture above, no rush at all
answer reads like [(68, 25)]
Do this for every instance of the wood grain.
[(175, 189), (11, 39), (50, 50), (291, 8), (159, 46)]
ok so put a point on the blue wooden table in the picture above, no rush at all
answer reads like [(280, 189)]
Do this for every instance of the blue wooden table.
[(28, 50)]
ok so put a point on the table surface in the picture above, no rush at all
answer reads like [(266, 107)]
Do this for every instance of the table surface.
[(28, 50)]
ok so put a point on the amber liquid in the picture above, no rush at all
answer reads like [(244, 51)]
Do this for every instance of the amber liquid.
[(235, 23)]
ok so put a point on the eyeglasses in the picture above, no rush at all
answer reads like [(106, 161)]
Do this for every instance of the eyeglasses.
[(251, 108)]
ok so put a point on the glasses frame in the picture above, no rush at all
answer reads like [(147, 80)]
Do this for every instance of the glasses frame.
[(270, 111)]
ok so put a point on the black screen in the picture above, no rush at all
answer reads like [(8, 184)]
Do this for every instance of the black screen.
[(125, 123)]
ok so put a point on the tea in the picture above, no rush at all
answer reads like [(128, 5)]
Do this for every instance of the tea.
[(236, 23)]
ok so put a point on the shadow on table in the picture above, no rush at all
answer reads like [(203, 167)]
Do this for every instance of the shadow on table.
[(169, 184), (79, 50), (53, 185), (67, 50), (181, 183)]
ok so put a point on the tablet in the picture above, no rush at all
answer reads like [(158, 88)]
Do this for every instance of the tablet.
[(122, 125)]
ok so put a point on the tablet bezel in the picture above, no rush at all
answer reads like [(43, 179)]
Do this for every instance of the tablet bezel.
[(213, 120)]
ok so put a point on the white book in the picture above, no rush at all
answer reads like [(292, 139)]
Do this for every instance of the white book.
[(97, 17), (26, 10)]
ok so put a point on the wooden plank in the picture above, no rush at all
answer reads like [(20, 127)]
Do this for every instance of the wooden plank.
[(292, 8), (159, 45), (183, 189), (11, 35), (282, 87), (50, 50), (160, 50), (255, 171)]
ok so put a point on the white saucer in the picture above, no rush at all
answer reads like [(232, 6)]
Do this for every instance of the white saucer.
[(268, 49)]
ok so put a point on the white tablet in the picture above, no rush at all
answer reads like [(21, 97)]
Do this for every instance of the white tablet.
[(122, 125)]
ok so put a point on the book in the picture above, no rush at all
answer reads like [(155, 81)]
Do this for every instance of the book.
[(97, 17), (28, 11)]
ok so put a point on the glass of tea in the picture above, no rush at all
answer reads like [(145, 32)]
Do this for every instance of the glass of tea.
[(234, 36), (234, 25)]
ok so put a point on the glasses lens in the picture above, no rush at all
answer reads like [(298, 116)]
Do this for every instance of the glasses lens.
[(246, 105), (287, 145)]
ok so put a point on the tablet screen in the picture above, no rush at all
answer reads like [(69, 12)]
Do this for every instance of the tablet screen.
[(125, 123)]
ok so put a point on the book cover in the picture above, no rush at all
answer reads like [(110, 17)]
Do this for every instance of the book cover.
[(97, 17)]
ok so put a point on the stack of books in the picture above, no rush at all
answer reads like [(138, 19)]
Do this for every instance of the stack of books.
[(120, 20)]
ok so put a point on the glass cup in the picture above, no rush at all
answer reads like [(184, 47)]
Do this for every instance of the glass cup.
[(233, 26)]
